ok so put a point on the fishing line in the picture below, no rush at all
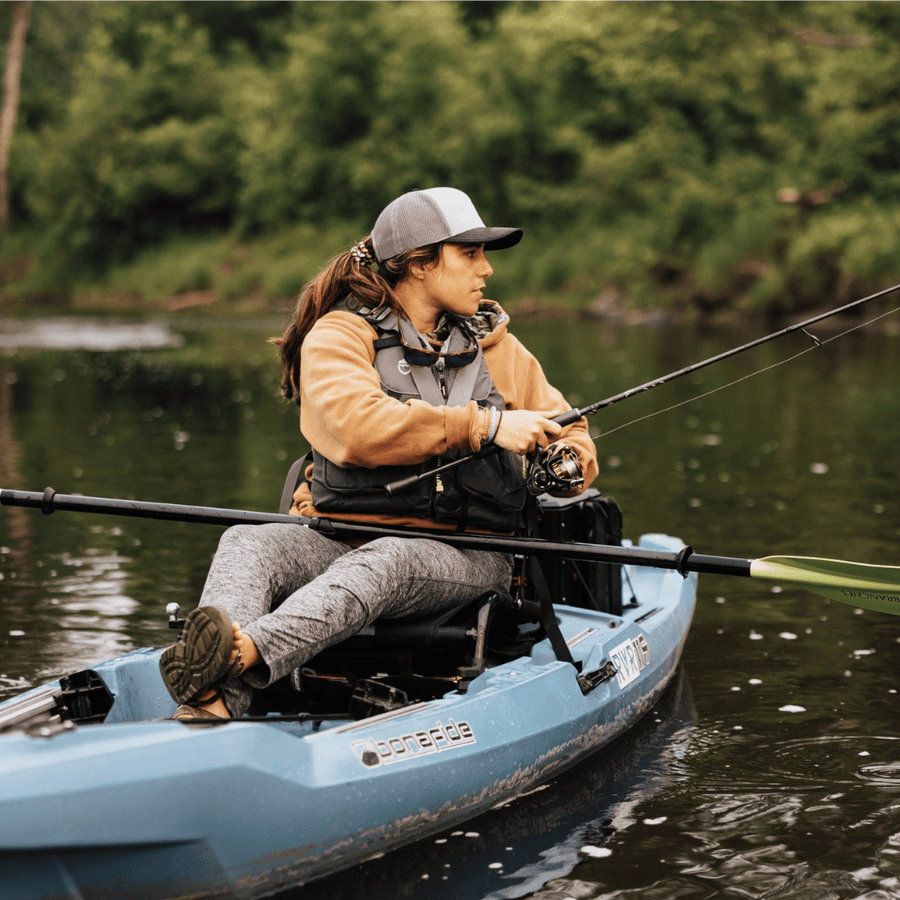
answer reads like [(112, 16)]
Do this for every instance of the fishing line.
[(816, 344), (571, 416)]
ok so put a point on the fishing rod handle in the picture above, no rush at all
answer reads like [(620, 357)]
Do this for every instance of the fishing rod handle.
[(405, 484), (569, 417), (402, 485)]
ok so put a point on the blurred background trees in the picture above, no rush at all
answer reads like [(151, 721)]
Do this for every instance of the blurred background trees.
[(704, 154)]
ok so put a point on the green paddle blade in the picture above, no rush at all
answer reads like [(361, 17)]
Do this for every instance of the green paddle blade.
[(868, 587)]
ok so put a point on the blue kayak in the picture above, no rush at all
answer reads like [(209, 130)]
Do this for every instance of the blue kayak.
[(102, 796)]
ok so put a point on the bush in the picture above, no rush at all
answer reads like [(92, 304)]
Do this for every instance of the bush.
[(683, 153)]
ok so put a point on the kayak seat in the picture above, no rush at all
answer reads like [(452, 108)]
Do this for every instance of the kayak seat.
[(428, 656), (423, 657), (392, 663)]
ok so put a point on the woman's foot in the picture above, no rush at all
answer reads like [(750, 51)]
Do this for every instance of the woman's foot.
[(211, 703), (212, 708), (209, 651)]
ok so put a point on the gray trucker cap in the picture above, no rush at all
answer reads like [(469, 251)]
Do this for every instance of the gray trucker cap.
[(436, 214)]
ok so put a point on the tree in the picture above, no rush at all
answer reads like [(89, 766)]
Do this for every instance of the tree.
[(11, 78)]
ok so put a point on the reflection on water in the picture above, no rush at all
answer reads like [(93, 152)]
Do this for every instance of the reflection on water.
[(87, 334), (538, 839), (781, 780), (86, 618), (818, 824)]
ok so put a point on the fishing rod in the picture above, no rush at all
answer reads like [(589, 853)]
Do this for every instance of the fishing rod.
[(573, 415), (561, 467), (864, 586)]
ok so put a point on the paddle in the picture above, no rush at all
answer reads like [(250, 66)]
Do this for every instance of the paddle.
[(865, 586)]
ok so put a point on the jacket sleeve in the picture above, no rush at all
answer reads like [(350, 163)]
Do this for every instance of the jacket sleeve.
[(349, 419)]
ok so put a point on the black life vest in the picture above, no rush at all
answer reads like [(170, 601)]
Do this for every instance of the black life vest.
[(485, 494)]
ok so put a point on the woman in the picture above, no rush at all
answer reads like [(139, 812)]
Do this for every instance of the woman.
[(395, 371)]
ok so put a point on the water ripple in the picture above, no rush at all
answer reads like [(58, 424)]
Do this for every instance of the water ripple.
[(819, 763)]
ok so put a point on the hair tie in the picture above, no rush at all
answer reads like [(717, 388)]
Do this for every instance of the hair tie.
[(360, 252)]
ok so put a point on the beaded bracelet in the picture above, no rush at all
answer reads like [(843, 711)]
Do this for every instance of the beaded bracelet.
[(485, 430), (494, 425), (499, 420)]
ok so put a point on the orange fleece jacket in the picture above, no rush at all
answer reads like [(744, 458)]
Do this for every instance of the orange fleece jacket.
[(347, 417)]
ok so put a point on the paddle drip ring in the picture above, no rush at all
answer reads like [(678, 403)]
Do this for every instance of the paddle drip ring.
[(681, 563), (47, 501)]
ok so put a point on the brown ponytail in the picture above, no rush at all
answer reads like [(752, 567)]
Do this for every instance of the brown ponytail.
[(347, 274)]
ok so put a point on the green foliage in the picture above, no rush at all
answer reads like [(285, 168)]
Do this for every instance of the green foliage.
[(143, 149), (161, 272), (352, 118), (706, 153), (219, 268)]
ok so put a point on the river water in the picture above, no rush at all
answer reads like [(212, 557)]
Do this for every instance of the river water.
[(771, 769)]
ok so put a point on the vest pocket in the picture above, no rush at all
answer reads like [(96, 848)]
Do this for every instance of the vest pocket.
[(486, 493), (360, 490)]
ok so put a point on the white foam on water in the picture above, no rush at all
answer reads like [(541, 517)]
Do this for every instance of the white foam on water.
[(70, 333)]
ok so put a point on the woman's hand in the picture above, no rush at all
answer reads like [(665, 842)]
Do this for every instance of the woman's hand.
[(521, 430)]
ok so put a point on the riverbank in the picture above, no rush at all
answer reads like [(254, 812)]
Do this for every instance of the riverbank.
[(223, 276)]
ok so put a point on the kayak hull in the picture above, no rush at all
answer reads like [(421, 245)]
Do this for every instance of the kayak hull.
[(141, 806)]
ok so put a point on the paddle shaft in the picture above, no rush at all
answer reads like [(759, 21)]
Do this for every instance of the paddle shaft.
[(49, 501)]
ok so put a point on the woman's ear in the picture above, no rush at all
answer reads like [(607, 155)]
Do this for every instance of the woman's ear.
[(419, 269)]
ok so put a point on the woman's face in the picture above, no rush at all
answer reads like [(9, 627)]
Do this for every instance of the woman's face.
[(455, 283)]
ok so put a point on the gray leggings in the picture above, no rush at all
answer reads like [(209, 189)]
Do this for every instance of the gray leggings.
[(295, 591)]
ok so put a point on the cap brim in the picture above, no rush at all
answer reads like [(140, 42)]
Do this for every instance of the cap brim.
[(492, 238)]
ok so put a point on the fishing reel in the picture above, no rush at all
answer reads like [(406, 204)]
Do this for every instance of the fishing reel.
[(555, 470)]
